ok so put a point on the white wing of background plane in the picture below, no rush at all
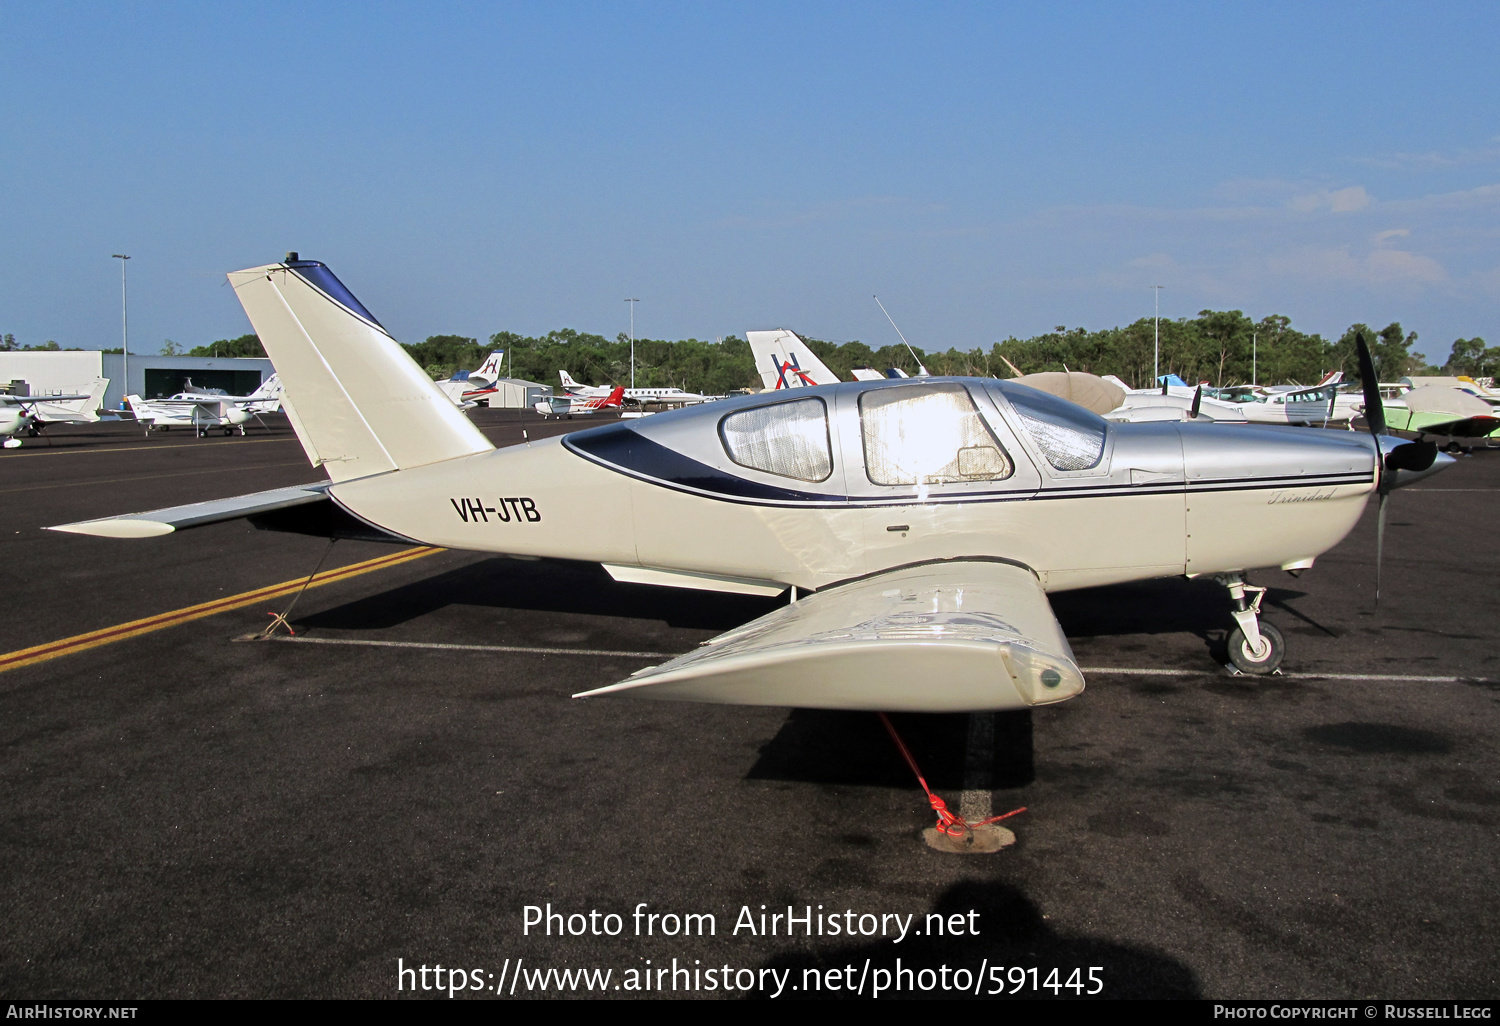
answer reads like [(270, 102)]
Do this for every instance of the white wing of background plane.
[(954, 636)]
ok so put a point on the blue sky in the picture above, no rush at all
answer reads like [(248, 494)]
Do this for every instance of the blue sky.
[(988, 169)]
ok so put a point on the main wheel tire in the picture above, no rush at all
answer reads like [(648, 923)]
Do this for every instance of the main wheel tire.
[(1244, 659)]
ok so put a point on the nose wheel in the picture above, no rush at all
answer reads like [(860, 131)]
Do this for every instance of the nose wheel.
[(1254, 647)]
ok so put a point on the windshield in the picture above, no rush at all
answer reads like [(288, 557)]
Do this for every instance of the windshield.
[(1069, 436)]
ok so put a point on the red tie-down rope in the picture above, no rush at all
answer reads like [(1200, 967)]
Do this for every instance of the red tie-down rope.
[(948, 823)]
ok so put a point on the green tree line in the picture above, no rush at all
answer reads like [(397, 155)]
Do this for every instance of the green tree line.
[(1222, 347)]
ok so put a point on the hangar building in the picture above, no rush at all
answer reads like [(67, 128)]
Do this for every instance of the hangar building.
[(150, 376)]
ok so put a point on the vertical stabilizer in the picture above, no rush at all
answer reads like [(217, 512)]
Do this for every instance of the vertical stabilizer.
[(492, 369), (362, 405), (785, 361)]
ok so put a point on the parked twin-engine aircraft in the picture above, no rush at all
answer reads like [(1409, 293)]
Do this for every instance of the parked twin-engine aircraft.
[(29, 414), (201, 409), (928, 518), (662, 396)]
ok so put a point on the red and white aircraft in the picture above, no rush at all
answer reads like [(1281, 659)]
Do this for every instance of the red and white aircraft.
[(573, 405)]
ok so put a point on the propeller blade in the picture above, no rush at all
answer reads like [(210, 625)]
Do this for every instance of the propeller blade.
[(1333, 398), (1163, 386), (1197, 403), (1380, 542), (1374, 408)]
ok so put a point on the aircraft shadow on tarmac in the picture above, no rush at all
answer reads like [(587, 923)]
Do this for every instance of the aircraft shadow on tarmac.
[(828, 746), (1012, 934), (1166, 606), (1199, 607), (547, 585)]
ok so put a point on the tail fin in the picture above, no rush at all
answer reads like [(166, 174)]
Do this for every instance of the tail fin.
[(784, 361), (567, 380), (615, 398), (96, 396), (359, 403), (269, 389), (491, 369)]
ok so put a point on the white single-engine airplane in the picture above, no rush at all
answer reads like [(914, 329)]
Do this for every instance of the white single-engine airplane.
[(29, 414), (574, 405), (927, 517), (201, 409)]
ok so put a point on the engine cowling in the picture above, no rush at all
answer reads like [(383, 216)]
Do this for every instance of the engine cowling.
[(13, 422)]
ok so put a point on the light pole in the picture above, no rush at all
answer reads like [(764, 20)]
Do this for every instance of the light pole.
[(1156, 360), (632, 303), (1254, 354), (124, 325)]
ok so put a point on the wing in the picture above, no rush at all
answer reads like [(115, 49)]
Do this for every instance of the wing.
[(178, 518), (938, 637)]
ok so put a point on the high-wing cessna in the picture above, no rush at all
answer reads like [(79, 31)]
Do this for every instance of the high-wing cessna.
[(1322, 403), (574, 405), (919, 524), (29, 414), (201, 409)]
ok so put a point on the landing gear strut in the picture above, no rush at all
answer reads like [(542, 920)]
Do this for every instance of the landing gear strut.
[(1254, 647)]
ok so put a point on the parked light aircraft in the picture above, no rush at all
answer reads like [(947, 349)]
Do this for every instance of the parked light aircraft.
[(202, 409), (576, 405), (663, 396), (928, 517), (31, 414), (1323, 403), (1443, 410), (468, 388)]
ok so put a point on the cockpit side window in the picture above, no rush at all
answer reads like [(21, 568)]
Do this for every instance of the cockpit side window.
[(1071, 437), (928, 434), (786, 439)]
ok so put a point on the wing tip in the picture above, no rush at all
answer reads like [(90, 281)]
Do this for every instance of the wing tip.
[(116, 528)]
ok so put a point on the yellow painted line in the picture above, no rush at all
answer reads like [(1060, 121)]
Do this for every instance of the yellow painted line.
[(93, 639), (106, 448)]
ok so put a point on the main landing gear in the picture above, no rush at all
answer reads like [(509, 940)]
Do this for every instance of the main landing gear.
[(1254, 647)]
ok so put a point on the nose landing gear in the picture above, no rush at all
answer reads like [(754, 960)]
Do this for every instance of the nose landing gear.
[(1254, 647)]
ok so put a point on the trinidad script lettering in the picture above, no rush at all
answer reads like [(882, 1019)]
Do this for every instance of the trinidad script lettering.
[(518, 509), (1300, 496)]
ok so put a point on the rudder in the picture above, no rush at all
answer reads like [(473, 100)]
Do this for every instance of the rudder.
[(359, 403)]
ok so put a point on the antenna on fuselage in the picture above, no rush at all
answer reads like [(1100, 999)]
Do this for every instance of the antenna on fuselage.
[(921, 371)]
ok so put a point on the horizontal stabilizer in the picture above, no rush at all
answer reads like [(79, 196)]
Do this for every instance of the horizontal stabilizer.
[(179, 518), (939, 637)]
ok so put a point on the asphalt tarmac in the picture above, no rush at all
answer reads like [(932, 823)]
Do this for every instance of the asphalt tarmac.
[(183, 815)]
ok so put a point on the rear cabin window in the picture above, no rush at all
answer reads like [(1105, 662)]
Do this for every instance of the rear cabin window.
[(928, 434), (1071, 437), (785, 439)]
